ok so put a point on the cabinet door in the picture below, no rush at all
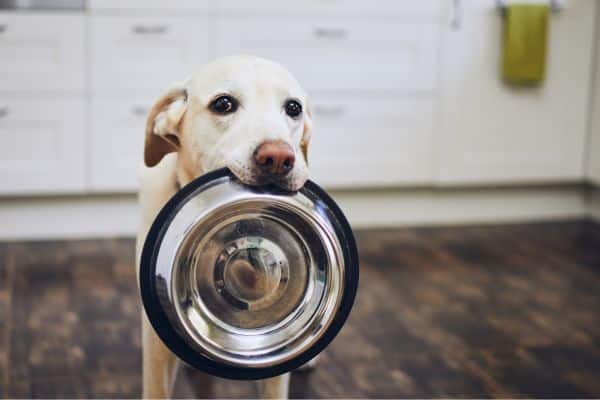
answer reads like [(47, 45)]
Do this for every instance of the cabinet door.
[(372, 141), (340, 53), (117, 141), (146, 52), (41, 52), (491, 133), (43, 146)]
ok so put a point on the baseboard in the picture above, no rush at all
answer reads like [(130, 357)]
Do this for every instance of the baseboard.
[(462, 206), (117, 215), (68, 217)]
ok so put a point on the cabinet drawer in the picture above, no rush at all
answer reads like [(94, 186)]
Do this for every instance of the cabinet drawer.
[(371, 142), (355, 143), (117, 141), (429, 9), (146, 52), (41, 52), (340, 54), (43, 146)]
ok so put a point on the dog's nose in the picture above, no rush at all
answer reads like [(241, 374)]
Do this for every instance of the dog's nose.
[(274, 157)]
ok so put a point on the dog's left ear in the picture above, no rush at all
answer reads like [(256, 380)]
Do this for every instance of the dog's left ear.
[(163, 125), (307, 131)]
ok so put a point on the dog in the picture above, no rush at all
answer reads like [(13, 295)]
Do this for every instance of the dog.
[(242, 112)]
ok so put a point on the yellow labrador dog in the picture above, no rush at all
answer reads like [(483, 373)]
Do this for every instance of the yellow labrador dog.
[(244, 113)]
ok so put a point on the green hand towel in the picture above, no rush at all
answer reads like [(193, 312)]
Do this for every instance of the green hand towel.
[(524, 49)]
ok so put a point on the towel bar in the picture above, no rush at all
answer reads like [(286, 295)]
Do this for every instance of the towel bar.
[(555, 5), (456, 10)]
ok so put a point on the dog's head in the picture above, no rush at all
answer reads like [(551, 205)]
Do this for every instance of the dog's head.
[(244, 113)]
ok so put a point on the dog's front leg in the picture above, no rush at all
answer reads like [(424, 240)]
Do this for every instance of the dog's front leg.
[(276, 387), (158, 364)]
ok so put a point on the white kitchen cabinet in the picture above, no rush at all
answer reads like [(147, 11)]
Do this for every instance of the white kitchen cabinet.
[(149, 52), (490, 133), (41, 52), (400, 98), (340, 54), (43, 145), (117, 127), (359, 142)]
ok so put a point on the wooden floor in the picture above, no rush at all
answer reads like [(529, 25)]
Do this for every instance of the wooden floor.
[(502, 311)]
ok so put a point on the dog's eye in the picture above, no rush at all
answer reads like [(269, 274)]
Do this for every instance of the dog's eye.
[(224, 105), (293, 108)]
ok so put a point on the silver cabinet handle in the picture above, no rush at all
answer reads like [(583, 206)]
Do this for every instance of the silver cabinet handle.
[(4, 112), (330, 33), (150, 29), (3, 28), (330, 111), (139, 111)]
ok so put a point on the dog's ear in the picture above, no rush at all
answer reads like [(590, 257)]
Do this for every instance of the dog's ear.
[(307, 131), (163, 125)]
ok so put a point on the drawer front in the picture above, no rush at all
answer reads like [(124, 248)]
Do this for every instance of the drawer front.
[(146, 52), (41, 52), (355, 143), (340, 54), (43, 146), (371, 142), (117, 141), (429, 9)]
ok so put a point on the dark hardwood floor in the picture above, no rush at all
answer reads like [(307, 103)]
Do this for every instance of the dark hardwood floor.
[(490, 311)]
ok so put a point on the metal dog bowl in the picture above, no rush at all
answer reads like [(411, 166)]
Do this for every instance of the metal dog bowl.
[(248, 282)]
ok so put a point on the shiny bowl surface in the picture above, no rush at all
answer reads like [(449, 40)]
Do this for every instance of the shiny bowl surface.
[(248, 282)]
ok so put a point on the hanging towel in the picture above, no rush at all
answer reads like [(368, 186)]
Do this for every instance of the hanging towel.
[(524, 48)]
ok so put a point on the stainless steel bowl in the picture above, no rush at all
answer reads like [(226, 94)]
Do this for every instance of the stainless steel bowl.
[(248, 282)]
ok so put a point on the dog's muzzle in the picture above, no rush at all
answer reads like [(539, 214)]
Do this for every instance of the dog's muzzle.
[(248, 282)]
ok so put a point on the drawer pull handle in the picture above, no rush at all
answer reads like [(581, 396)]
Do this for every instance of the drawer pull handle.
[(139, 111), (330, 33), (329, 111), (150, 29), (3, 28), (3, 112)]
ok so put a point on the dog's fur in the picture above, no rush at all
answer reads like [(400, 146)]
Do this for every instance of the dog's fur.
[(185, 139)]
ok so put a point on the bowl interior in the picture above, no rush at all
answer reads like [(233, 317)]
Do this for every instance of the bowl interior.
[(250, 277)]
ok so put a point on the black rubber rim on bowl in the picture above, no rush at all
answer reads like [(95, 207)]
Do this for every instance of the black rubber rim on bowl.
[(179, 347)]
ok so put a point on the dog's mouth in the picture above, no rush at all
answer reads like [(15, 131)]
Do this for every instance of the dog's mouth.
[(285, 183), (289, 182)]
